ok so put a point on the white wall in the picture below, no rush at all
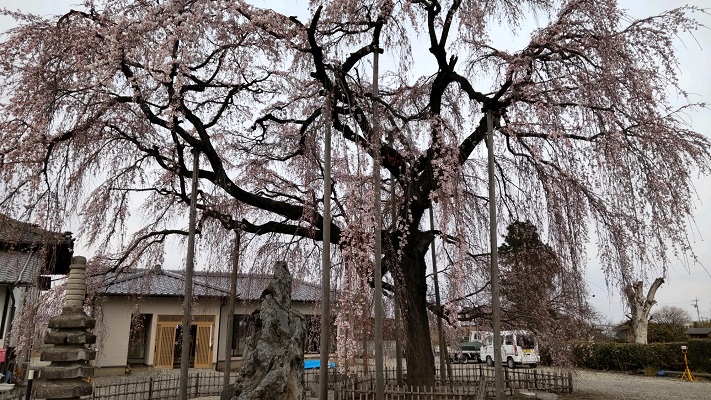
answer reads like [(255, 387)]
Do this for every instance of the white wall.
[(112, 346), (113, 349)]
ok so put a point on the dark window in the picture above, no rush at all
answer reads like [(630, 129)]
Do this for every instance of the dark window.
[(243, 327), (526, 341), (138, 337), (313, 334), (508, 340)]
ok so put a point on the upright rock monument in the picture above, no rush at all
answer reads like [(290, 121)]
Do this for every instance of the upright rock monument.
[(70, 334), (273, 363)]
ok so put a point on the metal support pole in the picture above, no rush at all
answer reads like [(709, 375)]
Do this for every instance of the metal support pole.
[(438, 302), (495, 300), (326, 260), (189, 267), (377, 274), (396, 285), (31, 376), (398, 342), (231, 311), (394, 272)]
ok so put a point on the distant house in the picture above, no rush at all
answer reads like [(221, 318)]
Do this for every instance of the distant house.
[(698, 333), (141, 317), (624, 333), (27, 252)]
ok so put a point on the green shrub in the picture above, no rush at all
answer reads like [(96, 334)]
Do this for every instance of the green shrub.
[(665, 333), (631, 356), (699, 354)]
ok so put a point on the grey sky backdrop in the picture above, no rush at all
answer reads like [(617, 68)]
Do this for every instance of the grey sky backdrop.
[(684, 282)]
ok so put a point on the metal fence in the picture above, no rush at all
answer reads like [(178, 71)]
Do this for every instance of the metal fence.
[(470, 382), (356, 391), (514, 378), (160, 387), (165, 387), (467, 382)]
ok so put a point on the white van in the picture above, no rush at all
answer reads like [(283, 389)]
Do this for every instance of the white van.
[(518, 348)]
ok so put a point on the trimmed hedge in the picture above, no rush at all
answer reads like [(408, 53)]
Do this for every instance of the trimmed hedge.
[(633, 356), (700, 355)]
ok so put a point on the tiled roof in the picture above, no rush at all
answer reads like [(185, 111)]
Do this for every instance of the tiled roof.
[(698, 331), (14, 232), (19, 268), (251, 286), (27, 250), (149, 283), (207, 284)]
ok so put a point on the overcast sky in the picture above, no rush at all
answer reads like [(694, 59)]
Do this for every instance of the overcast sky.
[(683, 284)]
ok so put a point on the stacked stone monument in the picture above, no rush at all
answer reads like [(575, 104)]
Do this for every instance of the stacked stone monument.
[(70, 336)]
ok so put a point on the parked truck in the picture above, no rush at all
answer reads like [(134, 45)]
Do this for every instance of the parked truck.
[(469, 351)]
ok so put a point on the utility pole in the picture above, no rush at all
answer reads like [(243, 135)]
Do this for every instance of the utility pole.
[(377, 273), (326, 260), (189, 267), (495, 300), (696, 306), (231, 310), (440, 332), (394, 272)]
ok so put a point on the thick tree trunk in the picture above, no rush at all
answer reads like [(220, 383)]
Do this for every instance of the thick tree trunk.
[(418, 346), (640, 307), (639, 328)]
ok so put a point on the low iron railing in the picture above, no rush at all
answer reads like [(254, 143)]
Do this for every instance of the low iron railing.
[(468, 382)]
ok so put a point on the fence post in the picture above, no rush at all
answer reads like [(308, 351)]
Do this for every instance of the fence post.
[(570, 382), (150, 388)]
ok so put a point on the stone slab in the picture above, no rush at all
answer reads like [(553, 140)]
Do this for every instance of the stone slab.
[(70, 337), (69, 320), (68, 354), (67, 371), (65, 389)]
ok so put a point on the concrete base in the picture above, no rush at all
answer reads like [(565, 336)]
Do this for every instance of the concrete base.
[(536, 395)]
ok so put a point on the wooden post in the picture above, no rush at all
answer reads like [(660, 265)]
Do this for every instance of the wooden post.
[(189, 266), (326, 259), (396, 284), (495, 300), (438, 302), (231, 312), (377, 274)]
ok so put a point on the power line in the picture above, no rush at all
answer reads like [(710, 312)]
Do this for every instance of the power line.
[(676, 302)]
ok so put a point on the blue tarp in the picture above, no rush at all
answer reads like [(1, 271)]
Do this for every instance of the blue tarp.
[(316, 364)]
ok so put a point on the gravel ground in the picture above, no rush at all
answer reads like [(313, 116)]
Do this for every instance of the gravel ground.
[(595, 385)]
